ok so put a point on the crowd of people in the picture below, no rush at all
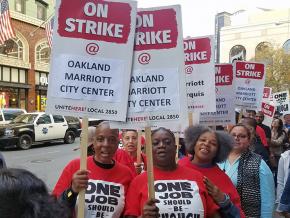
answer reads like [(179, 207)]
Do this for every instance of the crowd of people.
[(229, 173)]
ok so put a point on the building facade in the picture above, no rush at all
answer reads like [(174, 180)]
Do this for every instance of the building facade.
[(250, 30), (24, 60)]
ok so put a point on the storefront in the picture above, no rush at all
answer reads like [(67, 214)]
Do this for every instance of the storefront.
[(13, 87), (41, 83)]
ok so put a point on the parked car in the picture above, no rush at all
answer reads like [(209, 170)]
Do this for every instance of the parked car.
[(92, 121), (29, 128), (8, 114)]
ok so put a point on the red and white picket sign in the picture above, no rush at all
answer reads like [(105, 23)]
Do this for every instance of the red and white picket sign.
[(249, 84)]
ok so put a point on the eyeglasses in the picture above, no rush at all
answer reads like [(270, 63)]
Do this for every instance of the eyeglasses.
[(239, 136)]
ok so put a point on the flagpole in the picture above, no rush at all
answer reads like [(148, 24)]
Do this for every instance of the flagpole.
[(33, 31)]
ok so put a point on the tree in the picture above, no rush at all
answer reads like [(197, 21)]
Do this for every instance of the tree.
[(277, 67)]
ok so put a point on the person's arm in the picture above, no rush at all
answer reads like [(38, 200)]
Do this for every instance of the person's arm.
[(284, 203), (79, 182), (227, 208), (280, 179), (267, 190), (279, 141)]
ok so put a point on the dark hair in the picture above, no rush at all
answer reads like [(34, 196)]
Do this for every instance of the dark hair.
[(23, 195), (128, 130), (108, 124), (280, 127), (249, 121), (245, 127), (224, 140), (163, 129)]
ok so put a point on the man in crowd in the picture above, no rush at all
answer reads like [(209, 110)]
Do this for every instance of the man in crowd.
[(260, 118), (287, 121), (260, 132)]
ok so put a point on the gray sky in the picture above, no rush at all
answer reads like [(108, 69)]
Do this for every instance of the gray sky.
[(198, 16)]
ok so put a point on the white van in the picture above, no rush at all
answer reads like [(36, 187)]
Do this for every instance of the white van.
[(8, 114)]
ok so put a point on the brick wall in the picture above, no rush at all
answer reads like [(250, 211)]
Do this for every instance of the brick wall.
[(25, 29)]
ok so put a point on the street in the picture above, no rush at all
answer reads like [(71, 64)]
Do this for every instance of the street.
[(45, 161)]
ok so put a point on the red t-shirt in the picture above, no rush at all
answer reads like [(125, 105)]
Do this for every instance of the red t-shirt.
[(261, 133), (219, 178), (124, 158), (105, 195), (181, 192)]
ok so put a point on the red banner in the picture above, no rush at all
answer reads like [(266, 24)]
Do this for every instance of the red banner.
[(156, 30), (197, 51), (96, 20), (249, 70), (223, 74)]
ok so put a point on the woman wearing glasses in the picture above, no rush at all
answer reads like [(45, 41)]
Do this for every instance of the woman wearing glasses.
[(250, 174)]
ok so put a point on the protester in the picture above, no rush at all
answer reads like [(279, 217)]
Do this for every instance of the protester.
[(105, 180), (2, 161), (23, 195), (287, 121), (277, 143), (287, 142), (207, 148), (256, 144), (260, 118), (250, 174), (282, 175), (130, 141), (120, 156), (284, 204), (260, 132), (179, 191)]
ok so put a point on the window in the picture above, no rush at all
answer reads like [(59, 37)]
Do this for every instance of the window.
[(41, 10), (41, 78), (238, 52), (286, 46), (22, 76), (12, 48), (15, 75), (58, 119), (6, 74), (20, 6), (45, 118), (43, 53)]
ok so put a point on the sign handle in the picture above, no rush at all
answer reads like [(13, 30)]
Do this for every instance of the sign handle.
[(139, 147), (177, 145), (190, 118), (150, 174), (83, 165)]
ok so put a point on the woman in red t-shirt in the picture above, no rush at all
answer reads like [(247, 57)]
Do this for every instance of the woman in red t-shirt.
[(130, 141), (206, 148), (179, 192)]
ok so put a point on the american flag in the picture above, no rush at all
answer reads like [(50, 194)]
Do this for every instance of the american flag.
[(6, 30), (49, 31)]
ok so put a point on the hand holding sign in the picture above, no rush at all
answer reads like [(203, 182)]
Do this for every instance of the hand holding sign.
[(80, 180), (150, 209)]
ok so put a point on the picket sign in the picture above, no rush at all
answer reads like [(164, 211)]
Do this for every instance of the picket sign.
[(150, 174), (83, 165)]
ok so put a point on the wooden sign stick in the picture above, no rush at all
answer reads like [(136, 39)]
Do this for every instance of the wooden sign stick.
[(83, 165), (150, 174)]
